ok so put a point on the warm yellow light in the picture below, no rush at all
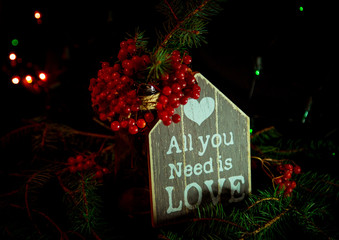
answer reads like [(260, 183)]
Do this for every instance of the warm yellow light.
[(29, 79), (15, 80), (12, 56), (43, 76), (37, 14)]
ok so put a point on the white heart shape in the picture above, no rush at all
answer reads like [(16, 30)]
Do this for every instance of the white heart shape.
[(199, 112)]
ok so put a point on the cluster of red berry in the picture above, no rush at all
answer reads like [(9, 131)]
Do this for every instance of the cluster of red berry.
[(115, 92), (285, 181), (82, 163), (177, 87)]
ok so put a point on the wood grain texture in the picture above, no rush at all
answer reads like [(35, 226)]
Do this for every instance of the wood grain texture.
[(204, 158)]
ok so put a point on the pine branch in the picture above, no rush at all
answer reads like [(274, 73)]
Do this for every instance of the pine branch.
[(196, 18), (267, 215)]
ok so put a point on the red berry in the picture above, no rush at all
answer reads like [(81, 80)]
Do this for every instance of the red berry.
[(180, 75), (116, 67), (184, 68), (163, 100), (130, 41), (149, 117), (165, 77), (167, 90), (190, 80), (127, 110), (288, 167), (175, 104), (98, 174), (176, 87), (123, 44), (184, 100), (146, 59), (141, 123), (196, 88), (131, 94), (287, 174), (278, 181), (175, 53), (176, 118), (176, 65), (115, 75), (280, 168), (163, 115), (80, 167), (169, 110), (167, 121), (131, 49), (105, 170), (288, 190), (127, 64), (88, 164), (287, 184), (104, 65), (159, 106), (72, 169), (131, 122), (128, 71), (115, 126), (133, 129), (297, 169), (71, 160), (122, 55), (195, 95), (137, 61), (182, 84), (173, 99), (135, 108), (124, 124), (79, 159), (293, 184), (187, 59)]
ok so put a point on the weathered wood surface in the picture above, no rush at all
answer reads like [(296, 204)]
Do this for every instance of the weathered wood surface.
[(205, 158)]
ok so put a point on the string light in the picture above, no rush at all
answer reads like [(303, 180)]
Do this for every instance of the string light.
[(12, 56), (15, 42), (15, 80), (29, 79), (43, 76), (37, 14)]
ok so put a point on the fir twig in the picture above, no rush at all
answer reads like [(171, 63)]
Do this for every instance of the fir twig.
[(181, 23)]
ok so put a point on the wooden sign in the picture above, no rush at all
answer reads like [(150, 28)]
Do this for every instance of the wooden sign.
[(205, 158)]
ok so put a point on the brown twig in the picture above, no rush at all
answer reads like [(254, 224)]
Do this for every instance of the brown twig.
[(261, 200), (266, 225)]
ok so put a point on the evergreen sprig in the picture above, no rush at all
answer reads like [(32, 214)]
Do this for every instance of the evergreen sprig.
[(185, 28), (269, 215)]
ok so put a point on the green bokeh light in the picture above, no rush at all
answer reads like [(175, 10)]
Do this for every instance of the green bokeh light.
[(257, 72), (15, 42), (301, 9)]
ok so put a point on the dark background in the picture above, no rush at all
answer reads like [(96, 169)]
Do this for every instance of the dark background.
[(299, 55), (299, 59)]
